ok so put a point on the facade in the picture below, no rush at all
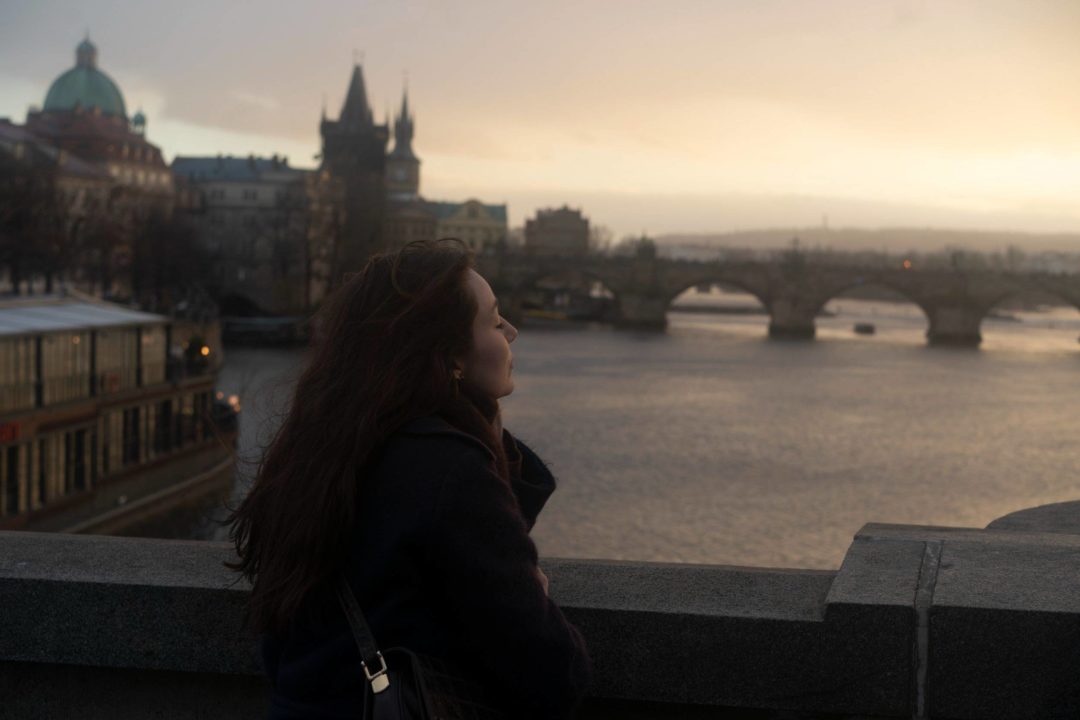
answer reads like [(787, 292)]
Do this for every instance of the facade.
[(268, 227), (407, 220), (557, 231), (108, 178), (354, 154), (95, 394), (482, 227), (57, 207), (84, 114)]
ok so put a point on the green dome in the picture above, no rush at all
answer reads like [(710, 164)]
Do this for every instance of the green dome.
[(85, 85)]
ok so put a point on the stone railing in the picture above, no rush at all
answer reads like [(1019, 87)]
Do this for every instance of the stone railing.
[(917, 622)]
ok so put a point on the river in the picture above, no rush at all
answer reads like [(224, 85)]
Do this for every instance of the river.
[(710, 443)]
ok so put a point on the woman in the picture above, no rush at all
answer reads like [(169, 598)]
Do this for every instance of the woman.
[(392, 464)]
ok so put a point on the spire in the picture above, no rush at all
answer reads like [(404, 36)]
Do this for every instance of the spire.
[(86, 53), (405, 104), (355, 111), (403, 129)]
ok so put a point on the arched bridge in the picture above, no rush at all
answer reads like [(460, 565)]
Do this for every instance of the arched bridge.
[(792, 290)]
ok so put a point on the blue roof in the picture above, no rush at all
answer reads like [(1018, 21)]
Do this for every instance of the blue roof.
[(227, 167), (87, 87), (443, 210)]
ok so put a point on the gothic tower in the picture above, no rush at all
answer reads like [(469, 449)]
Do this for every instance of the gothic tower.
[(354, 153), (403, 167)]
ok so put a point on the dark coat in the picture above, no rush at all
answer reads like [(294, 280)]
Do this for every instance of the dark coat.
[(442, 563)]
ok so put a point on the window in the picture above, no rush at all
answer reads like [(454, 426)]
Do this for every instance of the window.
[(42, 465), (131, 436), (75, 449), (206, 404), (191, 419), (250, 194), (163, 427), (11, 480)]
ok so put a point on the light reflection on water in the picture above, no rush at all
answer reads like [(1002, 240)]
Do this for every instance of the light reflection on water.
[(709, 443)]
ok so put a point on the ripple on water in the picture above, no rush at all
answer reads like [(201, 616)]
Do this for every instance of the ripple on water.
[(710, 443)]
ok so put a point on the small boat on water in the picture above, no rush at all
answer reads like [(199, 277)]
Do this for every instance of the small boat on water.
[(865, 328)]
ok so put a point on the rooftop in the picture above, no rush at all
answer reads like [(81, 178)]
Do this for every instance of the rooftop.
[(66, 311), (229, 168)]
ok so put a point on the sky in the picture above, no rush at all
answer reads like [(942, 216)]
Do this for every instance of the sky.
[(657, 117)]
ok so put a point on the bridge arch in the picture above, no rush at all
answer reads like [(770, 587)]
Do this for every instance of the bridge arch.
[(759, 307), (720, 279), (899, 294), (1034, 292)]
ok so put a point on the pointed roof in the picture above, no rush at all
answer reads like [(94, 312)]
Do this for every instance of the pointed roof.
[(403, 131), (356, 111)]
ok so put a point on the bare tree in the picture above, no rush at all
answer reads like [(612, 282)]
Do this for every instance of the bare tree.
[(31, 219), (169, 259)]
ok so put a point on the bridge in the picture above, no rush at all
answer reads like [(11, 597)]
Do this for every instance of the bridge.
[(791, 289)]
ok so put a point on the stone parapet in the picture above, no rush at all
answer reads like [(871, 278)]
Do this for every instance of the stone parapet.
[(919, 621)]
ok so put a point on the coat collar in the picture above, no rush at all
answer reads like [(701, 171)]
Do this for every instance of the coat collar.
[(438, 425)]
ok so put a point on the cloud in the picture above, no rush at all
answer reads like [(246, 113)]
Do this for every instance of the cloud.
[(260, 101)]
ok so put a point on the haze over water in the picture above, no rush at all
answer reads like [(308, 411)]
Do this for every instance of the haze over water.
[(712, 444)]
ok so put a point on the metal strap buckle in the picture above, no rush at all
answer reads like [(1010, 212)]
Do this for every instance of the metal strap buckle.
[(379, 681)]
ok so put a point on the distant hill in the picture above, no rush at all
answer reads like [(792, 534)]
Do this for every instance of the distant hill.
[(892, 240)]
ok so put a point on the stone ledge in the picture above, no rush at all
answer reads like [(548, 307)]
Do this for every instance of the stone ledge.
[(955, 622)]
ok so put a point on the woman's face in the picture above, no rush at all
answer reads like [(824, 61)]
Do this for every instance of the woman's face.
[(490, 364)]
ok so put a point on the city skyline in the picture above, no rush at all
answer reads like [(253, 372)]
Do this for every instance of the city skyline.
[(688, 118)]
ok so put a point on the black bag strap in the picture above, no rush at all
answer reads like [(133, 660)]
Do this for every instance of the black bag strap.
[(369, 653)]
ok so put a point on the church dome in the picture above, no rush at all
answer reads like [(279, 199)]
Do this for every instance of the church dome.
[(86, 86)]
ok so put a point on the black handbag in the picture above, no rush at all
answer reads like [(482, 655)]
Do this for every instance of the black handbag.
[(405, 685)]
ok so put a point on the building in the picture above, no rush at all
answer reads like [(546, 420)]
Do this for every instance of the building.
[(354, 154), (557, 231), (409, 216), (101, 404), (108, 177), (268, 227), (482, 227), (402, 165), (49, 198), (84, 114), (407, 220)]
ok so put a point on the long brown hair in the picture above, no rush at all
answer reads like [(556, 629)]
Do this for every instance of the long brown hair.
[(384, 355)]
